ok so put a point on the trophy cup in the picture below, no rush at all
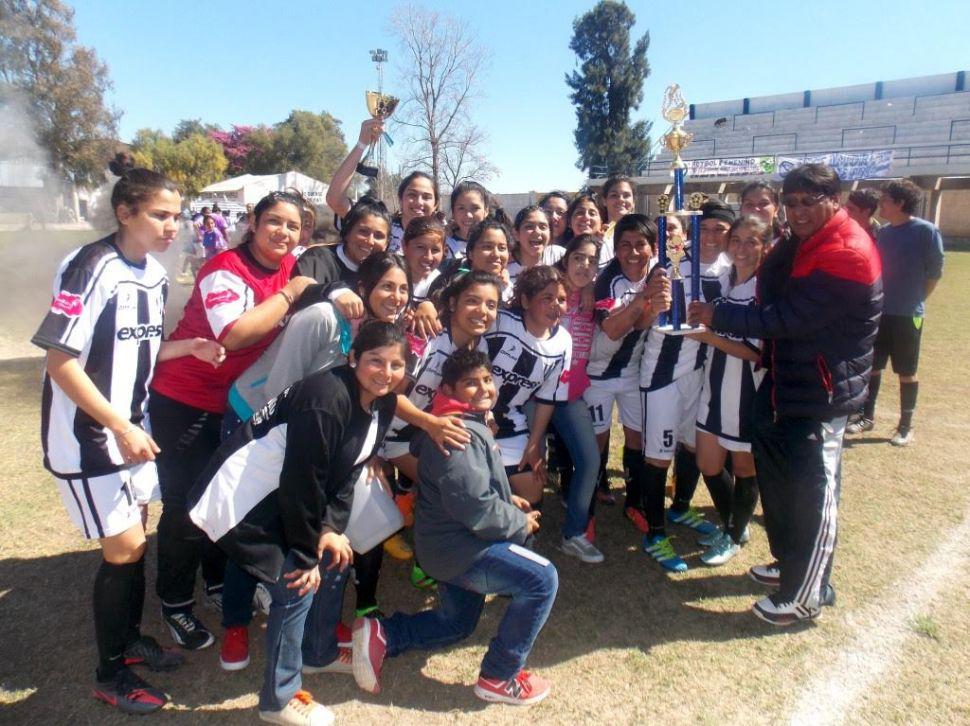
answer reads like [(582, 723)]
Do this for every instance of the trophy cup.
[(672, 251), (379, 105)]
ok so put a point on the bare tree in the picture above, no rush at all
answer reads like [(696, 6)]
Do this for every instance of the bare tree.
[(440, 71)]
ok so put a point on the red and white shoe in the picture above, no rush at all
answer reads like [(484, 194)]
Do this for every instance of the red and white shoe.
[(343, 663), (344, 636), (522, 690), (234, 655), (370, 646)]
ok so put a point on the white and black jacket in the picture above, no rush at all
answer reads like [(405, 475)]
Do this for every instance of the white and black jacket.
[(288, 472)]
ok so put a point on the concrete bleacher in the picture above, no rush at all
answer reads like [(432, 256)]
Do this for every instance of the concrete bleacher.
[(924, 121)]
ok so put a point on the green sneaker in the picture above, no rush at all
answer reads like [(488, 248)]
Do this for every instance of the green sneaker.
[(421, 580), (693, 519), (660, 548), (720, 551)]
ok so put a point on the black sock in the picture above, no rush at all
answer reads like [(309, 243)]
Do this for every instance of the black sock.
[(869, 409), (367, 572), (721, 488), (603, 484), (112, 597), (686, 475), (742, 505), (633, 464), (654, 485), (907, 404), (136, 602)]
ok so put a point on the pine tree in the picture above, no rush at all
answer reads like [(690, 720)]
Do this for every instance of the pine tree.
[(607, 87)]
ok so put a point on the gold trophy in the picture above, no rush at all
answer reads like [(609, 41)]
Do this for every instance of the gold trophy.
[(379, 105), (674, 110), (673, 248)]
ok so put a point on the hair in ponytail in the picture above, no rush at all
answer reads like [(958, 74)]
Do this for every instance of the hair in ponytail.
[(136, 185)]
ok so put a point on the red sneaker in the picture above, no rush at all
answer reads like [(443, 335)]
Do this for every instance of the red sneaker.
[(370, 646), (522, 690), (591, 530), (234, 655), (636, 516), (345, 637)]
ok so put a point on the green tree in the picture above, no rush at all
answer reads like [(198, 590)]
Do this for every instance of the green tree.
[(190, 127), (606, 88), (193, 163), (63, 84), (308, 142)]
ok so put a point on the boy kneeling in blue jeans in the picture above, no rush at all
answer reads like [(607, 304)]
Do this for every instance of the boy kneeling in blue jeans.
[(469, 531)]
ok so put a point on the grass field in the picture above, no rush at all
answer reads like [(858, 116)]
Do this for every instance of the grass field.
[(625, 643)]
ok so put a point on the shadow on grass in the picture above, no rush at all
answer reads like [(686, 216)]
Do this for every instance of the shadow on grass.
[(628, 602)]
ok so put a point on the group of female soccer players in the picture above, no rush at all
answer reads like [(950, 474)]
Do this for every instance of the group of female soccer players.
[(293, 367)]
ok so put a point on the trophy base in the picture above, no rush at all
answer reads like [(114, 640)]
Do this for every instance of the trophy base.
[(683, 330), (368, 171)]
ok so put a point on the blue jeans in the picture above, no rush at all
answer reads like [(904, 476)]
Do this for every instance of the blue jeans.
[(294, 622), (575, 426), (498, 570)]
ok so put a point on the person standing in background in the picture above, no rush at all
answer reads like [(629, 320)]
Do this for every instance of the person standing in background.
[(912, 262)]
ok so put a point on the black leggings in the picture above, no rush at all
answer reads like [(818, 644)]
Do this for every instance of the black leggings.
[(188, 437)]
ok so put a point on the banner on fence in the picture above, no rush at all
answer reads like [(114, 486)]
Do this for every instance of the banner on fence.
[(735, 166), (849, 165)]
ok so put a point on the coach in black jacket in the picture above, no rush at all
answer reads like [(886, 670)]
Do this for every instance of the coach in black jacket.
[(819, 301)]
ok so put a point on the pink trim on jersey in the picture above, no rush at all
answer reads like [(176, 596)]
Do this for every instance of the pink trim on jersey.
[(582, 327)]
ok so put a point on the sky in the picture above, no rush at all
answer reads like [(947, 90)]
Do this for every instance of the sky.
[(248, 62)]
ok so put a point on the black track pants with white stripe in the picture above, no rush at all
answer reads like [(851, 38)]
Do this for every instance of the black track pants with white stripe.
[(799, 463)]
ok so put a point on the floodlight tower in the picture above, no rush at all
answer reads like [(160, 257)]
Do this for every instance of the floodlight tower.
[(379, 58)]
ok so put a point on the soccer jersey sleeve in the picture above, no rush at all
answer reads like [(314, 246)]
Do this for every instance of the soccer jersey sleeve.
[(225, 297), (80, 294), (933, 256), (555, 386)]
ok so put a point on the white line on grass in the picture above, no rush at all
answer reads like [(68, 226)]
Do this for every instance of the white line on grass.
[(877, 633)]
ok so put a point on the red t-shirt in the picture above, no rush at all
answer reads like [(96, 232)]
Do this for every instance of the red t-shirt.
[(227, 286)]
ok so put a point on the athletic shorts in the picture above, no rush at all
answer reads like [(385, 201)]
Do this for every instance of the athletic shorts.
[(670, 416), (103, 506), (898, 340), (512, 449), (602, 394), (728, 444)]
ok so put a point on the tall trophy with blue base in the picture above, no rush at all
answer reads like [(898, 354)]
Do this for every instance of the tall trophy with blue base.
[(672, 250)]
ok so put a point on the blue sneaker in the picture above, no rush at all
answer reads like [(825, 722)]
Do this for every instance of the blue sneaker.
[(693, 519), (659, 547)]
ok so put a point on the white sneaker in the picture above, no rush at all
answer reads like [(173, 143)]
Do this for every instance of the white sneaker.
[(343, 663), (581, 548), (302, 710), (902, 437)]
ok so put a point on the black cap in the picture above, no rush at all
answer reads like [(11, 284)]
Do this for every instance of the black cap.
[(713, 209)]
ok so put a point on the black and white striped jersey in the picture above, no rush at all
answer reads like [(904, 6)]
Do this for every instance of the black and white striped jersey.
[(525, 367), (668, 357), (109, 313), (425, 380), (730, 383), (421, 290), (608, 358)]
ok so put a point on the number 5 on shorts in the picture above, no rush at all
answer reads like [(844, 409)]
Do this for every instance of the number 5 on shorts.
[(668, 438)]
